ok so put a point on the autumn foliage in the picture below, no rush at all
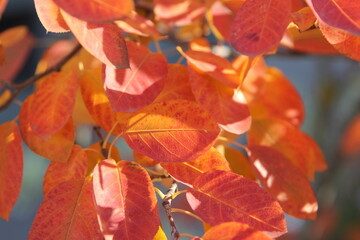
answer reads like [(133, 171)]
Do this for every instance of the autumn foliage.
[(182, 121)]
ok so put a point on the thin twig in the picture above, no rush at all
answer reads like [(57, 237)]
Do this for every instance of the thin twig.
[(167, 206), (56, 68)]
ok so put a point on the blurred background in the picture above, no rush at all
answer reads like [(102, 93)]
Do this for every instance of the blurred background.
[(330, 88)]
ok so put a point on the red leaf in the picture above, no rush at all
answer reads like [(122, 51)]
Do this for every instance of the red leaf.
[(11, 167), (233, 231), (220, 18), (284, 102), (220, 196), (57, 148), (350, 142), (186, 172), (342, 41), (298, 147), (67, 212), (125, 199), (172, 131), (135, 87), (304, 18), (97, 11), (259, 26), (74, 168), (138, 25), (104, 41), (226, 105), (343, 14), (284, 181), (3, 4), (17, 43), (53, 103), (50, 16)]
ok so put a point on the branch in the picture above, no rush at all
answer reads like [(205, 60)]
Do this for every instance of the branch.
[(167, 205), (56, 68)]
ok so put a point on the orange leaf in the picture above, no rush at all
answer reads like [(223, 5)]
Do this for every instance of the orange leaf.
[(177, 84), (98, 103), (57, 148), (178, 12), (283, 181), (95, 153), (136, 24), (160, 235), (125, 200), (97, 11), (200, 44), (67, 212), (104, 41), (298, 147), (350, 142), (135, 87), (4, 96), (220, 18), (233, 231), (11, 167), (186, 172), (343, 14), (304, 18), (220, 196), (3, 4), (226, 105), (284, 102), (259, 26), (53, 103), (172, 131), (214, 66), (58, 172), (344, 42), (17, 43), (50, 16), (144, 160)]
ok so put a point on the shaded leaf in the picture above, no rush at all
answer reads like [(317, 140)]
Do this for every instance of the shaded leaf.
[(284, 181), (343, 14), (304, 18), (220, 196), (172, 131), (17, 43), (220, 18), (186, 172), (50, 16), (104, 41), (350, 142), (56, 148), (344, 42), (233, 231), (284, 102), (11, 167), (160, 235), (298, 147), (58, 172), (53, 103), (125, 200), (67, 212), (97, 11), (259, 25), (135, 87), (144, 160), (3, 4), (136, 24), (226, 105)]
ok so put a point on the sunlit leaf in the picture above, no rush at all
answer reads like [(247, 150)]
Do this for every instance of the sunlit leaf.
[(17, 43), (343, 14), (50, 16), (298, 147), (220, 18), (226, 105), (186, 172), (342, 41), (97, 11), (135, 87), (283, 181), (136, 24), (304, 18), (350, 142), (11, 167), (56, 148), (220, 196), (259, 25), (3, 4), (233, 231), (171, 131), (67, 212), (104, 41), (160, 235), (200, 44), (74, 168), (177, 84), (53, 103), (284, 102), (5, 96), (125, 200)]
